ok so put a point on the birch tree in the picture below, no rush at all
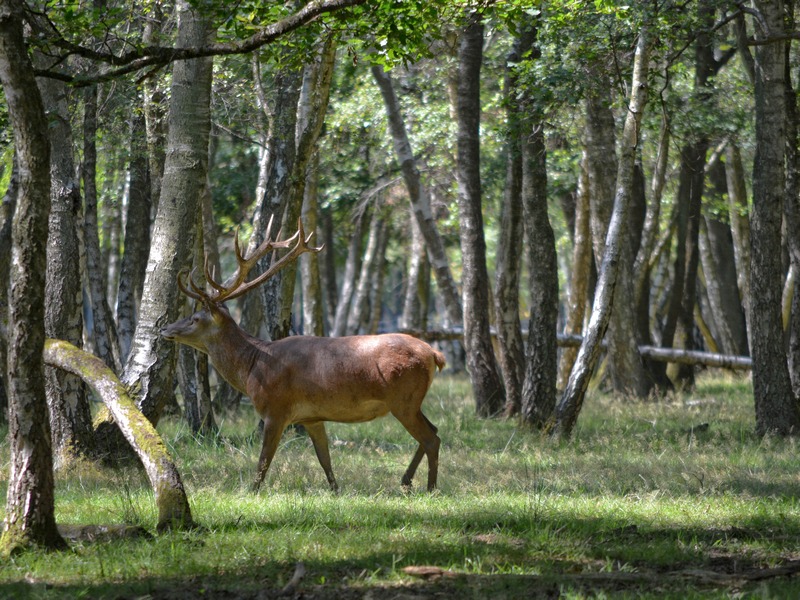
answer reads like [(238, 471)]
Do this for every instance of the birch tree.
[(571, 402)]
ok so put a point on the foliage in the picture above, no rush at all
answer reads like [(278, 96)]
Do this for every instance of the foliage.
[(644, 501)]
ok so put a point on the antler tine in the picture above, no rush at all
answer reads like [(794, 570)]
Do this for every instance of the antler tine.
[(299, 248), (195, 292), (210, 277)]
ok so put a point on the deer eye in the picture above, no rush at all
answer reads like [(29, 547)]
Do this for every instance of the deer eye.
[(195, 318)]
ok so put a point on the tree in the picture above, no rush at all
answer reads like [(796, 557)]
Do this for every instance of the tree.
[(419, 198), (150, 368), (571, 401), (511, 351), (170, 496), (776, 407), (29, 518), (70, 413), (541, 353), (481, 363)]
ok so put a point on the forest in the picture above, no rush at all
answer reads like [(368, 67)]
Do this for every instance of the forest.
[(559, 197)]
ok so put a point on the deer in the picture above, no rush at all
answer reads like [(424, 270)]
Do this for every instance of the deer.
[(309, 380)]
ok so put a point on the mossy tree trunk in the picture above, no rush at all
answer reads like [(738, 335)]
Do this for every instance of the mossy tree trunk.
[(170, 496)]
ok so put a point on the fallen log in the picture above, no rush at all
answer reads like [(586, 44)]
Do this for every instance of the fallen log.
[(671, 355)]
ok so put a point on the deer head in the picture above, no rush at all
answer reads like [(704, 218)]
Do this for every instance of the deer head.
[(204, 325)]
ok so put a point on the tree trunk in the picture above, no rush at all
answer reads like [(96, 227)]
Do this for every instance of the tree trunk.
[(328, 274), (571, 401), (351, 269), (791, 210), (418, 274), (312, 105), (149, 371), (137, 238), (511, 349), (282, 152), (313, 305), (170, 496), (358, 319), (541, 360), (776, 406), (155, 111), (627, 370), (30, 508), (103, 327), (719, 266), (740, 227), (487, 385), (70, 414), (192, 364), (6, 217), (579, 280), (419, 198)]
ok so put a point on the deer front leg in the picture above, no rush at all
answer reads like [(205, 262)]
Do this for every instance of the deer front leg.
[(269, 444), (316, 431)]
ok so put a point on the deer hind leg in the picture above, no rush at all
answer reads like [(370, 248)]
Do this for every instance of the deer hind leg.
[(316, 431), (269, 444), (424, 432)]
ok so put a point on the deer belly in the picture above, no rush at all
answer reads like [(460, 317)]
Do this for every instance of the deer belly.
[(342, 411)]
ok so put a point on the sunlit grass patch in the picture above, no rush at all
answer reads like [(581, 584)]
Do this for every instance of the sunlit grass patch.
[(643, 493)]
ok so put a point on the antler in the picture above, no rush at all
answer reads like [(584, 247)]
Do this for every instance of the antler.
[(237, 284)]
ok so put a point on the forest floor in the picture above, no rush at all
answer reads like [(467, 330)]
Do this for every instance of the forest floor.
[(674, 498)]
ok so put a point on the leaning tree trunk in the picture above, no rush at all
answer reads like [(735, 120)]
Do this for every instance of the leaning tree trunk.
[(170, 496), (571, 401), (149, 371), (625, 364), (70, 413), (776, 406), (419, 198), (30, 507), (487, 386)]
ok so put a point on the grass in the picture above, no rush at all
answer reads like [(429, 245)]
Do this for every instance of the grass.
[(644, 501)]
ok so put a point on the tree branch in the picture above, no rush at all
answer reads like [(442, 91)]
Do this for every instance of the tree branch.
[(159, 55)]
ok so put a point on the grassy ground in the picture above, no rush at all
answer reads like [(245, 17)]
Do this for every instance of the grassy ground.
[(675, 498)]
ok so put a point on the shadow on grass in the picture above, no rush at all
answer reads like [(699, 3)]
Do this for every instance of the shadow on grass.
[(480, 554)]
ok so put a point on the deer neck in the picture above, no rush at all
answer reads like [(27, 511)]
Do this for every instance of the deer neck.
[(233, 354)]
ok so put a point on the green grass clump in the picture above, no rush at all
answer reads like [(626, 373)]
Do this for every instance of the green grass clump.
[(670, 498)]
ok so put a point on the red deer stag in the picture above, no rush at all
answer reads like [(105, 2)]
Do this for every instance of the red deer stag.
[(309, 380)]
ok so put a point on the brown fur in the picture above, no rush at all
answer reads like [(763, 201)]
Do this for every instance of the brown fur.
[(309, 380)]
